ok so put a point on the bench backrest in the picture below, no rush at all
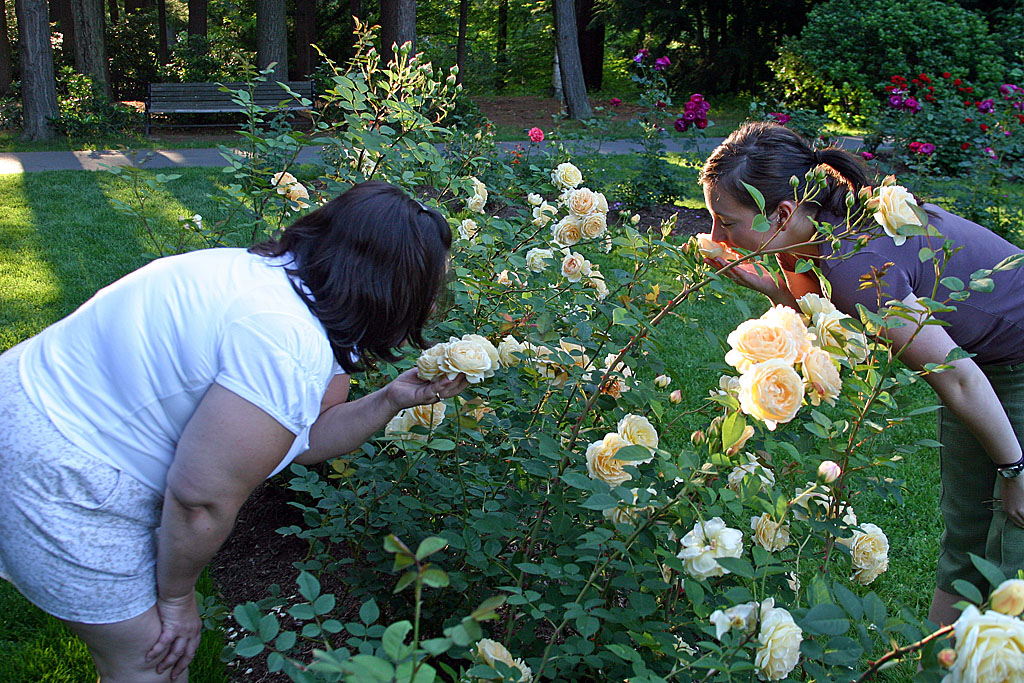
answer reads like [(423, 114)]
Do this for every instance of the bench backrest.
[(203, 98)]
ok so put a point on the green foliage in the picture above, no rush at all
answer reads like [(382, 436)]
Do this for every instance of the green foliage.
[(195, 59), (85, 112), (846, 46)]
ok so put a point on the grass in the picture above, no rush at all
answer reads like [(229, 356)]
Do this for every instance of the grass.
[(10, 142)]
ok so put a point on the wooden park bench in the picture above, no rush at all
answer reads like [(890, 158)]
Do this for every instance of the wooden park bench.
[(208, 98)]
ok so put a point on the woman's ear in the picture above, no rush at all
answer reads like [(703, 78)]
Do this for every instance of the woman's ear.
[(784, 212)]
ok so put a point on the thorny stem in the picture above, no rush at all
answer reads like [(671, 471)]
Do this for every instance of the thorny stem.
[(898, 653)]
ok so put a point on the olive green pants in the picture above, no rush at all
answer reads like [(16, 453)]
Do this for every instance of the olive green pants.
[(971, 505)]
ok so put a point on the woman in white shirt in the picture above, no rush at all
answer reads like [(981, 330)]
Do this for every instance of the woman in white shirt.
[(166, 398)]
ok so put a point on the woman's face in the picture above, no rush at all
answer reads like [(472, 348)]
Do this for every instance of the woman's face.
[(731, 220)]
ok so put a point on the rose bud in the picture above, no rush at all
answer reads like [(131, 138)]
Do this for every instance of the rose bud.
[(829, 471), (1008, 598), (947, 657)]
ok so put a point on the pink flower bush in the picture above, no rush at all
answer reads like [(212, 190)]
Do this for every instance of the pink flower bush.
[(662, 63), (615, 101), (641, 54), (695, 113), (536, 134), (867, 156), (780, 118)]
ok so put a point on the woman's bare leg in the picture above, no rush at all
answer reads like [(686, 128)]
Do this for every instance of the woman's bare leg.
[(942, 611)]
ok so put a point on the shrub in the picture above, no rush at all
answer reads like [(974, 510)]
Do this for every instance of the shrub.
[(86, 112), (848, 45)]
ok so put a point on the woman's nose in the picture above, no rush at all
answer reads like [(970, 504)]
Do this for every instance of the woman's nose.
[(717, 234)]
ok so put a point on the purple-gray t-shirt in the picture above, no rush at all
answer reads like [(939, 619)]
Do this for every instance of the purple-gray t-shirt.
[(989, 325)]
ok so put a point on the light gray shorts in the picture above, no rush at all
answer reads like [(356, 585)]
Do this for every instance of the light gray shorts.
[(77, 536)]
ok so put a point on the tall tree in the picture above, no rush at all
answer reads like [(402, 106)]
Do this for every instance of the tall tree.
[(590, 29), (60, 14), (90, 43), (501, 48), (272, 37), (355, 11), (133, 6), (397, 26), (198, 11), (38, 85), (162, 51), (6, 68), (460, 49), (305, 36), (569, 61), (115, 14)]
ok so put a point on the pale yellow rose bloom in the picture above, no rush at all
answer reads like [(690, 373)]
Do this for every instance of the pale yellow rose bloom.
[(297, 193), (706, 542), (479, 188), (811, 304), (476, 204), (741, 617), (487, 345), (751, 468), (469, 358), (534, 199), (791, 321), (758, 340), (282, 181), (490, 651), (428, 415), (574, 266), (597, 283), (771, 391), (768, 533), (894, 211), (428, 364), (1008, 598), (468, 229), (593, 225), (566, 175), (399, 426), (543, 214), (602, 202), (638, 430), (989, 647), (537, 259), (709, 248), (869, 550), (506, 348), (779, 639), (830, 331), (581, 202), (601, 461), (662, 381), (567, 231), (822, 375)]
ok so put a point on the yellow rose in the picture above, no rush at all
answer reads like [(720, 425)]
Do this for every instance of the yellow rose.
[(581, 202), (567, 231), (534, 199), (566, 175), (602, 202), (989, 647), (768, 533), (708, 247), (755, 341), (706, 542), (428, 415), (772, 392), (594, 225), (479, 188), (830, 331), (427, 365), (574, 266), (537, 259), (780, 639), (638, 430), (469, 358), (1008, 598), (509, 346), (297, 192), (893, 212), (487, 346), (811, 304), (543, 213), (822, 375), (601, 461), (791, 321), (490, 651), (869, 549), (282, 181)]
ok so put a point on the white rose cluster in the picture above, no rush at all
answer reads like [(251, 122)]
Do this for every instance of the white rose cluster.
[(428, 416), (472, 355), (778, 636), (705, 543), (478, 200)]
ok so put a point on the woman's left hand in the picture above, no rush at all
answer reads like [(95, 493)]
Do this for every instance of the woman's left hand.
[(1013, 499), (409, 390)]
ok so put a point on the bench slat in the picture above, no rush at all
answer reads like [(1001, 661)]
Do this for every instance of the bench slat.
[(208, 98)]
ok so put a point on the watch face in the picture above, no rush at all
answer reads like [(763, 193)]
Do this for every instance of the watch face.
[(1011, 473)]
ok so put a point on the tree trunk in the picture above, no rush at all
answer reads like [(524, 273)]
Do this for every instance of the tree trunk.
[(133, 6), (305, 36), (198, 11), (460, 50), (355, 11), (90, 43), (6, 68), (60, 13), (272, 38), (115, 14), (38, 85), (397, 26), (501, 51), (556, 81), (591, 39), (162, 51), (569, 61)]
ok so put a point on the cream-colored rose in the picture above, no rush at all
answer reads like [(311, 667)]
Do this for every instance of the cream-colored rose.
[(282, 181), (812, 304), (989, 647), (1008, 598), (597, 283), (428, 415), (627, 514), (567, 231), (893, 212), (566, 175), (638, 430), (593, 225), (479, 188), (581, 202), (756, 341), (869, 549), (768, 533), (753, 469), (709, 248), (506, 348), (791, 321), (579, 353), (574, 266), (601, 461), (780, 639), (621, 368), (467, 357), (428, 364), (727, 385), (602, 202), (662, 381), (476, 204), (741, 617), (399, 426), (534, 199), (830, 331), (297, 193), (468, 229), (772, 392), (487, 345), (489, 652), (543, 214), (822, 375), (537, 259), (706, 542)]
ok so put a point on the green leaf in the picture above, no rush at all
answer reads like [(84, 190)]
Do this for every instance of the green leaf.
[(285, 641), (874, 609), (441, 445), (643, 604), (760, 223), (925, 254), (303, 612), (969, 591), (429, 546), (269, 628), (369, 612), (578, 481), (275, 662), (250, 646), (405, 580), (621, 316), (737, 565), (436, 646), (633, 453), (435, 577), (850, 602), (487, 607), (953, 283), (991, 572), (599, 501), (756, 195), (248, 616), (1009, 263), (984, 284), (587, 625), (732, 429), (530, 568), (392, 544), (826, 620), (324, 604), (309, 587), (369, 669), (393, 640)]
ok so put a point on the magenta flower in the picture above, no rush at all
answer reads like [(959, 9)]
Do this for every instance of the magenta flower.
[(682, 125), (641, 54), (690, 115), (780, 118), (915, 147), (867, 156), (701, 123), (991, 153), (986, 106), (926, 148), (662, 63), (536, 134), (895, 101), (696, 97), (911, 105), (615, 101), (704, 106), (691, 106)]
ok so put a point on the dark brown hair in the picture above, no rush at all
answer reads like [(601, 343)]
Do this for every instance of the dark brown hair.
[(374, 261), (766, 155)]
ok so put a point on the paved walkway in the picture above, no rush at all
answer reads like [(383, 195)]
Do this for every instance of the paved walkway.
[(22, 162)]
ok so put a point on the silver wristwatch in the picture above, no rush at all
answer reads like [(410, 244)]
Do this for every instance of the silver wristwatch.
[(1013, 470)]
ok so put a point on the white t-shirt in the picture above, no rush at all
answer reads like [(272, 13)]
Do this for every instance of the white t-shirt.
[(121, 376)]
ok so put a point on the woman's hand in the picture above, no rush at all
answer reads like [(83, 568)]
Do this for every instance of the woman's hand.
[(755, 277), (409, 390), (179, 634), (1013, 499)]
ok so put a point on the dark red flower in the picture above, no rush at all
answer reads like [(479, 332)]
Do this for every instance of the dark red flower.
[(965, 146), (924, 77), (957, 81), (969, 89), (969, 120), (945, 74), (984, 128)]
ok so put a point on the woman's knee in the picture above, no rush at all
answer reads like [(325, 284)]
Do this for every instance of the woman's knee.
[(119, 649)]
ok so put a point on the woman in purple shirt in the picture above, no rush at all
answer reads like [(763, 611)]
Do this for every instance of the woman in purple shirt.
[(981, 425)]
